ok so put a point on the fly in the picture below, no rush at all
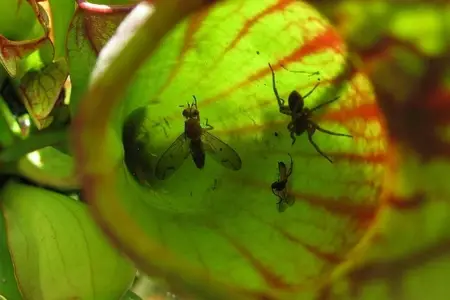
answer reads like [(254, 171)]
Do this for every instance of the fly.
[(301, 116), (196, 141), (279, 187)]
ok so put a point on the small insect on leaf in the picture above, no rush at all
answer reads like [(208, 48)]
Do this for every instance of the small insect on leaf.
[(301, 116), (279, 187), (195, 140)]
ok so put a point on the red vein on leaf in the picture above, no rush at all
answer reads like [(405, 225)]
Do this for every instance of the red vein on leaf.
[(366, 158), (249, 23), (278, 6), (192, 28), (252, 128), (366, 111), (94, 22), (271, 279), (88, 34), (329, 257), (12, 49), (392, 270), (339, 206), (325, 40), (406, 203)]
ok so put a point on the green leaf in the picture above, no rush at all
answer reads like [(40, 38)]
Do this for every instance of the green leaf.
[(15, 47), (130, 296), (9, 127), (34, 142), (57, 250), (41, 89), (6, 123), (367, 226), (85, 40), (49, 167), (17, 21), (8, 284), (62, 14)]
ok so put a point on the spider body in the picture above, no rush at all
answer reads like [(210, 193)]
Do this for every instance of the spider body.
[(301, 116)]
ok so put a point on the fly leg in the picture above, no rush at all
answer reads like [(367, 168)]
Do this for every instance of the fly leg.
[(208, 126)]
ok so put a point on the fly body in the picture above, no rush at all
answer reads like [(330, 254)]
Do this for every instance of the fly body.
[(193, 131), (196, 141), (197, 153), (279, 187)]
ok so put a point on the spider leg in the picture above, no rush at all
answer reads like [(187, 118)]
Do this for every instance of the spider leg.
[(324, 104), (329, 132), (285, 110), (275, 91), (311, 129), (302, 72), (293, 138), (312, 90)]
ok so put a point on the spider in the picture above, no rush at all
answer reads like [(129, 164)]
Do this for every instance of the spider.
[(301, 115)]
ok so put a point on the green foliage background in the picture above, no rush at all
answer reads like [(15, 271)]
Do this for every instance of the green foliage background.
[(372, 225)]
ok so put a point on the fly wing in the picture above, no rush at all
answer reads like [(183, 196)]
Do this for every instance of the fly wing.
[(172, 158), (285, 203), (221, 152)]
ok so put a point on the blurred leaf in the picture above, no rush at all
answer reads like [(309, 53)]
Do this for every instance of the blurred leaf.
[(6, 135), (9, 128), (8, 284), (41, 90), (57, 250), (14, 49), (130, 296), (62, 13), (16, 21), (90, 29), (374, 225), (34, 142), (49, 167)]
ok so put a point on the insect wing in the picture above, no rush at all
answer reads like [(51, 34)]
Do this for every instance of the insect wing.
[(172, 158), (221, 152), (285, 202), (281, 206)]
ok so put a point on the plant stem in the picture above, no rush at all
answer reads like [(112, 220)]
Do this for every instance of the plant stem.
[(34, 142)]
